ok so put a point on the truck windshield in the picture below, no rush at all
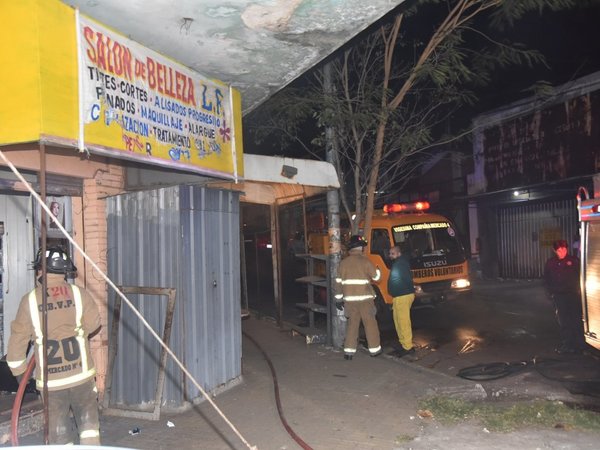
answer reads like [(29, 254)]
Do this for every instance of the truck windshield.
[(426, 239)]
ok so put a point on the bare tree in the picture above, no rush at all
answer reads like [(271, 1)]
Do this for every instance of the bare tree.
[(391, 92)]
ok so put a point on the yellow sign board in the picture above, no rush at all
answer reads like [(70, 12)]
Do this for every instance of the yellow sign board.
[(79, 83)]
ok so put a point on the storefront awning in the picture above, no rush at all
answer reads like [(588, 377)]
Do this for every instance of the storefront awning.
[(278, 180)]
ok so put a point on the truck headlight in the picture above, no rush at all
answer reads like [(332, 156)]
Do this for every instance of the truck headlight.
[(418, 289), (460, 283)]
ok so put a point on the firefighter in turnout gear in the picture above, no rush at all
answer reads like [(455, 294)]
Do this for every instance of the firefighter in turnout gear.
[(353, 287), (72, 316)]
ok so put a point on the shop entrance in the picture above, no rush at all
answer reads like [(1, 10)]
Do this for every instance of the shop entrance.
[(16, 249)]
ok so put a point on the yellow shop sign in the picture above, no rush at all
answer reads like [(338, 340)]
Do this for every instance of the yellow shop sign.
[(95, 89)]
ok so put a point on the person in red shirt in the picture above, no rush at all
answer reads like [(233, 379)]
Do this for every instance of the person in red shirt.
[(561, 276)]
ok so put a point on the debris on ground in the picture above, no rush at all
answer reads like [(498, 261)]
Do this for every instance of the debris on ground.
[(425, 414)]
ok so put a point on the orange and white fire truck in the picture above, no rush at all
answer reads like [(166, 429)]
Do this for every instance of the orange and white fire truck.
[(437, 258), (589, 221)]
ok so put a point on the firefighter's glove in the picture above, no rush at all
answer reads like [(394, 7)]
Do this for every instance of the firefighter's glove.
[(339, 305)]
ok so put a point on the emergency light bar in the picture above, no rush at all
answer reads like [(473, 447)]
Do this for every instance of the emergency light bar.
[(405, 207)]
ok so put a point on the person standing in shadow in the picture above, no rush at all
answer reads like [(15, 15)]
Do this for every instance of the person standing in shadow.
[(561, 276)]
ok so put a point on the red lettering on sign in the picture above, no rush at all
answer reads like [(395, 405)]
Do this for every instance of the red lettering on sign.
[(107, 54), (170, 82)]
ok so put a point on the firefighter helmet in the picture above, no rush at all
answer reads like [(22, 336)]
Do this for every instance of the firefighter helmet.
[(57, 261), (356, 241)]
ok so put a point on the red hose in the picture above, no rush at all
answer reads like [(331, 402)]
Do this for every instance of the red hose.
[(16, 410), (284, 422)]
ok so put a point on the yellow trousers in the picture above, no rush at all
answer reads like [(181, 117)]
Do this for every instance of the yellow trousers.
[(355, 312), (401, 310)]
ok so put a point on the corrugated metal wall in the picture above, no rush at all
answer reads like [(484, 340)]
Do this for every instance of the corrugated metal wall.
[(524, 228), (183, 237)]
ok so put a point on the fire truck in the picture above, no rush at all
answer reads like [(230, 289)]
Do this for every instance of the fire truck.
[(437, 258), (589, 233)]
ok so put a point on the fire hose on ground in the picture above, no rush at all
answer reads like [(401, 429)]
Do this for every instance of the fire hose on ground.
[(134, 310), (16, 410), (578, 376), (287, 427)]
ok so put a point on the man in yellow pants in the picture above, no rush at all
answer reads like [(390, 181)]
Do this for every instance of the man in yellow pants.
[(402, 289)]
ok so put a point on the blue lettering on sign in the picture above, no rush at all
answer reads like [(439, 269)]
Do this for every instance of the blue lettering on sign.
[(160, 118), (207, 106), (214, 147), (135, 126), (177, 153), (219, 96), (199, 144), (110, 116), (205, 149), (177, 123), (95, 112)]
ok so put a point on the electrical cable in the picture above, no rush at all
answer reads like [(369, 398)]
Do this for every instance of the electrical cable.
[(287, 427)]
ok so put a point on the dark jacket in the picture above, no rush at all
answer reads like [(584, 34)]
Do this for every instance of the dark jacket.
[(400, 281), (562, 275)]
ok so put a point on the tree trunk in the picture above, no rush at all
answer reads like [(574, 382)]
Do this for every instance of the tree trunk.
[(372, 186)]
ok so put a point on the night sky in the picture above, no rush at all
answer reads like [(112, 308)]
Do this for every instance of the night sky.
[(569, 40)]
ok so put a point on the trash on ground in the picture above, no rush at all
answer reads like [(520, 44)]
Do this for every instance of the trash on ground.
[(424, 414)]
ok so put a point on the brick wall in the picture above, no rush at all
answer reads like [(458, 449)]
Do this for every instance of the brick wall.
[(95, 190)]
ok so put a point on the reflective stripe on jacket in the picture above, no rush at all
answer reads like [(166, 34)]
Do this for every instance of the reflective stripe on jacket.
[(72, 316), (355, 275)]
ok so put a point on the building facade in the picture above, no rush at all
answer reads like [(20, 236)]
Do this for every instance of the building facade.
[(530, 157)]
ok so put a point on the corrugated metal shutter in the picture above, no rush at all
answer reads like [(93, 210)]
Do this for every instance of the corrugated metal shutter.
[(524, 232), (183, 237)]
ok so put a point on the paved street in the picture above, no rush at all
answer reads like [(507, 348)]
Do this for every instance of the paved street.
[(372, 403), (501, 321)]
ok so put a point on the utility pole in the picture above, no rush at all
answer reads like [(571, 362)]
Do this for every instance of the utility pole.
[(338, 320)]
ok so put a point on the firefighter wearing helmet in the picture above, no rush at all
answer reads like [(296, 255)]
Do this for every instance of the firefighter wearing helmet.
[(72, 317), (353, 288)]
